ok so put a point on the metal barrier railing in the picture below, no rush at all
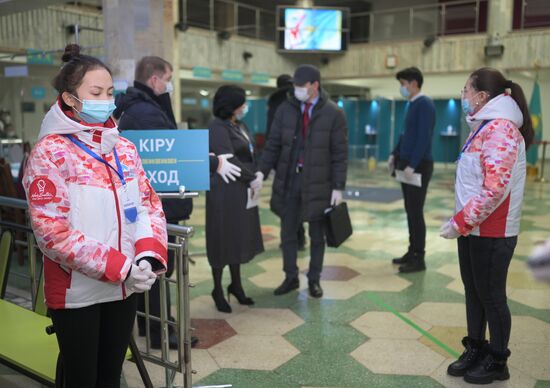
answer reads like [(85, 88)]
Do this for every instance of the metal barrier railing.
[(419, 21), (182, 323), (20, 204), (541, 177)]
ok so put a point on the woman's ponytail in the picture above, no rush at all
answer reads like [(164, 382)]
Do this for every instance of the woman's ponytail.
[(516, 92), (492, 81)]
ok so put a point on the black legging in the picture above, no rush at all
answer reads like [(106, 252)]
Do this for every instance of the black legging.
[(93, 341), (484, 263)]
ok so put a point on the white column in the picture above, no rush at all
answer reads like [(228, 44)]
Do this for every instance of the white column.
[(137, 28), (499, 21)]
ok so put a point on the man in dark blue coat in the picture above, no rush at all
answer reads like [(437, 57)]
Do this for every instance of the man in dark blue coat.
[(413, 154)]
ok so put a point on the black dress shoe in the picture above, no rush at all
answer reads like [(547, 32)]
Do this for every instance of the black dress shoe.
[(415, 263), (473, 353), (492, 367), (401, 260), (287, 285), (172, 340), (315, 289), (194, 341)]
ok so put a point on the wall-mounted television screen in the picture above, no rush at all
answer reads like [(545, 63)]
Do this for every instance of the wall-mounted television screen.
[(312, 29)]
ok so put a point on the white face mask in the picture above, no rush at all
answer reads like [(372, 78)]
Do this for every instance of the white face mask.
[(169, 87), (301, 93)]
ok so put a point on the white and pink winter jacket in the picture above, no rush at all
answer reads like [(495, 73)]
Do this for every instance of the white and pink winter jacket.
[(76, 211), (490, 177)]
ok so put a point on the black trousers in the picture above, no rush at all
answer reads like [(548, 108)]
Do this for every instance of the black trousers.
[(290, 224), (154, 298), (484, 263), (93, 341), (414, 198)]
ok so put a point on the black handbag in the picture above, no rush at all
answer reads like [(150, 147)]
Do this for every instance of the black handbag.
[(338, 225)]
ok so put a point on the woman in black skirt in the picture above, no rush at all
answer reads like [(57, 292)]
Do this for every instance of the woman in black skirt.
[(233, 234)]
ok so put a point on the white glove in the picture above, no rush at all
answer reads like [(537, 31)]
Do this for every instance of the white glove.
[(409, 171), (226, 169), (336, 197), (539, 261), (448, 231), (391, 163), (257, 183), (141, 277)]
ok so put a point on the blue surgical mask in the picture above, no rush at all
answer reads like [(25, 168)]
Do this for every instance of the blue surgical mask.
[(96, 111), (243, 113), (404, 91), (466, 107)]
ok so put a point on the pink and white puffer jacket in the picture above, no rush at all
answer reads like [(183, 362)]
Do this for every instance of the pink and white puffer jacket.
[(76, 210), (490, 177)]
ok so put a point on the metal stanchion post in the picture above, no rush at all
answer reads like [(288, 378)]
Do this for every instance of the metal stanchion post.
[(184, 335), (164, 336), (187, 319), (31, 252), (147, 323), (541, 178)]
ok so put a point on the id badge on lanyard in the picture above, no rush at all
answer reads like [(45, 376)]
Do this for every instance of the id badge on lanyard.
[(129, 206), (470, 141), (130, 209)]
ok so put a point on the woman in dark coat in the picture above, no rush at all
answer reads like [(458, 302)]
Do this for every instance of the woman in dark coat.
[(233, 234)]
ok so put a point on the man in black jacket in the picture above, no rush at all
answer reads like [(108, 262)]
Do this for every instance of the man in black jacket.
[(308, 148), (284, 90), (147, 105)]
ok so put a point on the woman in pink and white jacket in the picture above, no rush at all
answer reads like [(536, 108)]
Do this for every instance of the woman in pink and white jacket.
[(490, 181), (97, 221)]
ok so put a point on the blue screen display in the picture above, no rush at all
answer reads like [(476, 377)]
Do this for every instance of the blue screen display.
[(313, 29)]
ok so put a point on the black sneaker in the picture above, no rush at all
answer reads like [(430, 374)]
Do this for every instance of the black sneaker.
[(492, 367), (287, 285)]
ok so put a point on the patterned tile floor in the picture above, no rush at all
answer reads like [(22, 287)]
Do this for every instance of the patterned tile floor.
[(374, 327)]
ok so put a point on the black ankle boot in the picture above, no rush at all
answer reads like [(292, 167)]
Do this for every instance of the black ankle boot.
[(219, 300), (403, 259), (472, 353), (238, 293), (492, 367), (415, 263)]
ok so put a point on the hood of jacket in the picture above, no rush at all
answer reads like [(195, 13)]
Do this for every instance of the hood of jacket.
[(502, 106)]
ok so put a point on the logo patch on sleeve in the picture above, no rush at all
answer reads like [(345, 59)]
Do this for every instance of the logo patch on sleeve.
[(41, 191)]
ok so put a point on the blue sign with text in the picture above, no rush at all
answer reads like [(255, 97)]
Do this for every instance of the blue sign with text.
[(173, 158)]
